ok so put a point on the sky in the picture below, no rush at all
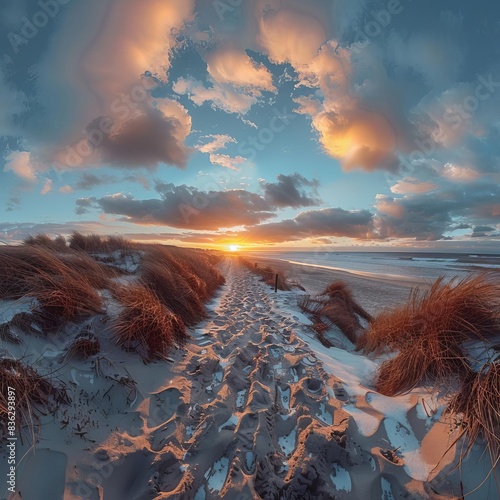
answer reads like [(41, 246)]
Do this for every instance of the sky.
[(271, 124)]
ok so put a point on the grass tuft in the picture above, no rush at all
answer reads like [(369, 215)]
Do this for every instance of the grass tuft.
[(35, 395), (57, 244), (94, 243), (429, 332), (478, 401), (145, 325), (83, 346), (335, 306)]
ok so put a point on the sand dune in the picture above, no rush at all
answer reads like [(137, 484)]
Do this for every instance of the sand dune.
[(252, 407)]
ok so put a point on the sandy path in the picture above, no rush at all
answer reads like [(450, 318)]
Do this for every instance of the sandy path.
[(251, 408), (256, 419)]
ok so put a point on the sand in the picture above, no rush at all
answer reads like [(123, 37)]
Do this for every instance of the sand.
[(252, 407)]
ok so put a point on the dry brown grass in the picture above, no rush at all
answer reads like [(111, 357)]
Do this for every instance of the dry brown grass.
[(84, 345), (429, 332), (63, 283), (94, 243), (145, 325), (173, 291), (201, 269), (57, 244), (478, 401), (182, 279), (335, 307), (8, 335), (35, 395)]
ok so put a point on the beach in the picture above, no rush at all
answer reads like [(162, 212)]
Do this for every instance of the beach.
[(251, 406), (371, 292)]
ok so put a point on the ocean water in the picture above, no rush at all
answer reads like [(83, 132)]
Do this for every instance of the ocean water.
[(397, 265)]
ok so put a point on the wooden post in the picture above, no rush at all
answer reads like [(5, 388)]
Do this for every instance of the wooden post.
[(276, 283)]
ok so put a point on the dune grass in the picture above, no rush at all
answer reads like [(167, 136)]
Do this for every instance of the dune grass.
[(335, 306), (57, 244), (64, 285), (146, 325), (478, 401), (430, 330), (182, 280), (94, 243), (83, 346), (35, 394)]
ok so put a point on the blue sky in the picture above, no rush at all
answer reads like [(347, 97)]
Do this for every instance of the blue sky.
[(265, 123)]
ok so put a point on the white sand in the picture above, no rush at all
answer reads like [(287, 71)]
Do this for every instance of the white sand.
[(252, 407)]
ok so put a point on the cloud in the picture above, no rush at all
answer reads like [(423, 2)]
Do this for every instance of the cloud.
[(47, 187), (289, 35), (430, 215), (220, 95), (88, 70), (185, 207), (436, 58), (229, 65), (327, 222), (460, 174), (148, 139), (227, 161), (90, 181), (218, 141), (19, 163), (411, 185), (288, 192)]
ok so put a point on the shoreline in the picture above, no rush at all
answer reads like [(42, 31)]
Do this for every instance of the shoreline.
[(315, 278)]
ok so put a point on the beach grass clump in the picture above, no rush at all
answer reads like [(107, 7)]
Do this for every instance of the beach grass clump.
[(478, 402), (146, 325), (85, 345), (56, 244), (95, 243), (203, 275), (173, 290), (35, 394), (64, 284), (335, 307), (430, 330), (183, 279)]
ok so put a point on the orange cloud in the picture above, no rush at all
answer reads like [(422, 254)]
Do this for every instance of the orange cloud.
[(291, 36), (233, 66), (19, 164), (412, 186), (136, 37), (386, 205), (357, 138)]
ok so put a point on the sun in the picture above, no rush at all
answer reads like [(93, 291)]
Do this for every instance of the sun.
[(234, 248)]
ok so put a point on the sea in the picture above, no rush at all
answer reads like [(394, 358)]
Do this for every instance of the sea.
[(415, 266)]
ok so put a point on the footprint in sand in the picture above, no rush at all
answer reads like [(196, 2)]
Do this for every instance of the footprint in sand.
[(162, 406)]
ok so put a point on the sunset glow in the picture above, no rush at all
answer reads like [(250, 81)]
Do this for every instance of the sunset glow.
[(280, 124)]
